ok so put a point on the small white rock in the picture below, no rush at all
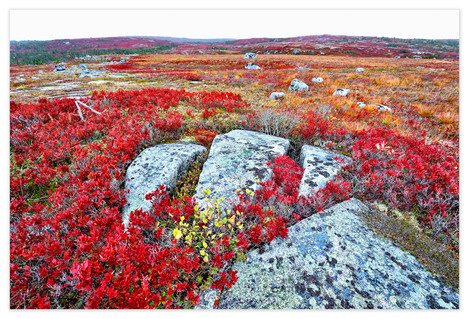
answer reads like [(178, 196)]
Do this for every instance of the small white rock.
[(252, 66), (342, 92), (297, 85), (359, 69), (317, 79), (277, 95)]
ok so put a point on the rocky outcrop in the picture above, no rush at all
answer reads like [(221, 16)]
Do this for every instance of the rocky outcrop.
[(238, 160), (250, 55), (320, 167), (252, 66), (342, 92), (333, 260), (59, 67), (277, 95), (159, 165), (297, 85)]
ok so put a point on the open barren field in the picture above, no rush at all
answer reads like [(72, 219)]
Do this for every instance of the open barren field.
[(75, 131)]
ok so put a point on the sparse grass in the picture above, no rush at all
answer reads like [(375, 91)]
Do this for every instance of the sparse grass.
[(402, 229)]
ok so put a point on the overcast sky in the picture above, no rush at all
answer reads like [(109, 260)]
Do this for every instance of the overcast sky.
[(62, 24)]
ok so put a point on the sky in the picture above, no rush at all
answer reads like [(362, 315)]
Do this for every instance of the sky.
[(45, 24)]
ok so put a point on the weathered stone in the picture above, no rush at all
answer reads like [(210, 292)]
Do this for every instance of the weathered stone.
[(362, 104), (60, 67), (277, 95), (359, 70), (317, 79), (320, 167), (342, 92), (333, 260), (250, 55), (297, 85), (159, 165), (252, 66), (83, 66), (238, 160)]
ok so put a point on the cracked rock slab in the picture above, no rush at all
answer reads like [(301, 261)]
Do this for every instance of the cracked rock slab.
[(332, 260), (159, 165), (238, 160), (320, 167)]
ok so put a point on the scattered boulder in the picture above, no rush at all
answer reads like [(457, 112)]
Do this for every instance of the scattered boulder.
[(60, 67), (342, 92), (332, 260), (238, 160), (317, 79), (359, 70), (380, 107), (252, 66), (277, 95), (320, 167), (384, 108), (250, 55), (159, 165), (83, 66), (297, 85)]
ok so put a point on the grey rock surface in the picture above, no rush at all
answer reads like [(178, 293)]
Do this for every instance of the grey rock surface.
[(237, 160), (333, 260), (320, 167), (317, 79), (252, 66), (297, 85), (250, 55), (342, 92), (359, 70), (159, 165)]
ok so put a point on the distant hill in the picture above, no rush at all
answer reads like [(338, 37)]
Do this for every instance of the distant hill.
[(190, 40), (39, 52)]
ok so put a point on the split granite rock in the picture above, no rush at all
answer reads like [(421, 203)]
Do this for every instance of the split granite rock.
[(238, 160), (297, 85), (333, 260), (320, 167), (159, 165)]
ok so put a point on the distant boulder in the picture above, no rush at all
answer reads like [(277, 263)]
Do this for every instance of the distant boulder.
[(297, 85), (250, 55), (317, 79), (384, 108), (83, 66), (252, 66), (362, 104), (277, 95), (60, 67), (342, 92), (359, 70)]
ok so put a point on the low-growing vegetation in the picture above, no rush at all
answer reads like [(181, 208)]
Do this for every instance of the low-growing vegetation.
[(68, 246)]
